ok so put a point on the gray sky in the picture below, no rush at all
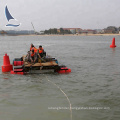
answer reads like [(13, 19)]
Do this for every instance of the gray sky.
[(45, 14)]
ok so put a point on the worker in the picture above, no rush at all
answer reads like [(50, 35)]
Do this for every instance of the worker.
[(38, 56), (41, 51), (33, 56), (35, 49), (31, 47), (27, 58)]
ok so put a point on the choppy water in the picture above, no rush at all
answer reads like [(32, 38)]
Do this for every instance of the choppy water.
[(93, 82)]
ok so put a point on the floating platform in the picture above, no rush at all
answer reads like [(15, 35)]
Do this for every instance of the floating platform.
[(20, 66), (51, 63)]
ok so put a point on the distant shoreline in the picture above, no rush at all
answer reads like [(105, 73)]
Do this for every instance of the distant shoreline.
[(68, 35), (83, 35), (75, 35)]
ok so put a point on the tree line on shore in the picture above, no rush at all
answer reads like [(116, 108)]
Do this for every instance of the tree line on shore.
[(55, 31), (111, 29)]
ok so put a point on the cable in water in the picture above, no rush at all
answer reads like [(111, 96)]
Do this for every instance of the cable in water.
[(64, 95)]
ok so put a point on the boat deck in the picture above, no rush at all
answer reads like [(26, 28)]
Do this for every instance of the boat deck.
[(51, 63)]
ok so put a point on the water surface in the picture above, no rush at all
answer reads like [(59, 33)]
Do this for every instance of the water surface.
[(93, 82)]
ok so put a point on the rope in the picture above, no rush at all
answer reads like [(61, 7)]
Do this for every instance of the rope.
[(64, 95)]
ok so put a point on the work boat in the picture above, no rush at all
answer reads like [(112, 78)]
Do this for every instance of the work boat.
[(48, 64)]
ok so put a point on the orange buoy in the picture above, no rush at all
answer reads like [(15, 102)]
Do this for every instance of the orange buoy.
[(64, 70), (68, 71), (61, 71), (12, 72), (113, 43), (6, 67)]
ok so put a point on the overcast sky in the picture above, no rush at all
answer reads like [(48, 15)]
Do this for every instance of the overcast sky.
[(45, 14)]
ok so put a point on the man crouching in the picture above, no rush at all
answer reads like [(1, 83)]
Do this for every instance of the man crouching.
[(33, 57)]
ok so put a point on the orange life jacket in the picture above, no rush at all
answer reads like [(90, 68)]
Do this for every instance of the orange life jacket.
[(31, 48), (41, 51), (35, 49), (32, 55)]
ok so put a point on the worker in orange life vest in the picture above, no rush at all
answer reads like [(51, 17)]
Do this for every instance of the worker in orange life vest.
[(33, 47), (33, 56), (41, 51)]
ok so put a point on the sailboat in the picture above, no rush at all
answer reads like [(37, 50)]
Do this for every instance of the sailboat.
[(9, 17)]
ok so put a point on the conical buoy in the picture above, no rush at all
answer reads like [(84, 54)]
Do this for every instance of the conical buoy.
[(113, 43), (6, 67)]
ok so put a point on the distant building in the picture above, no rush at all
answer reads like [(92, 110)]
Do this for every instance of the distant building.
[(99, 31), (58, 30), (78, 30), (88, 31), (91, 31), (2, 32), (108, 31), (74, 30)]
